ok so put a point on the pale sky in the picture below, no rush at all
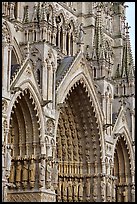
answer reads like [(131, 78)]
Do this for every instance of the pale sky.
[(130, 18)]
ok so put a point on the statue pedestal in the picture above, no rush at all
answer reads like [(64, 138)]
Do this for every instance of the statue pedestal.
[(31, 196)]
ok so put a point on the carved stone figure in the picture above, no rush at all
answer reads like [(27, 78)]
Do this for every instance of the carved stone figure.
[(109, 189), (81, 33), (18, 174), (8, 162), (50, 126), (69, 190), (87, 186), (25, 174), (75, 190), (125, 194), (133, 193), (55, 175), (49, 169), (32, 168), (103, 191), (80, 190), (95, 189), (59, 191), (64, 190), (12, 173), (42, 173)]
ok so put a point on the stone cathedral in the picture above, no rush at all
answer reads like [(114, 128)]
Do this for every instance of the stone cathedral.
[(68, 103)]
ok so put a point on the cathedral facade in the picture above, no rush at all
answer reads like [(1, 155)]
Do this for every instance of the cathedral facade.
[(68, 103)]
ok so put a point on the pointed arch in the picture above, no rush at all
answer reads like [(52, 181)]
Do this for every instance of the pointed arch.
[(123, 165), (35, 95), (79, 117)]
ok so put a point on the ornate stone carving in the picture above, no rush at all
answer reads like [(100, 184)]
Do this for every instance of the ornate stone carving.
[(70, 199), (48, 174), (55, 175), (50, 127), (18, 174), (12, 174), (31, 197), (103, 188), (64, 190), (5, 33), (80, 190), (95, 189), (25, 174), (42, 173), (109, 190), (76, 190), (87, 186), (32, 172), (8, 161)]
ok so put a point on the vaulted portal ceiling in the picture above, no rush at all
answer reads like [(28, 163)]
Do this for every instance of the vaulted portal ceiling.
[(78, 146), (24, 138), (122, 172)]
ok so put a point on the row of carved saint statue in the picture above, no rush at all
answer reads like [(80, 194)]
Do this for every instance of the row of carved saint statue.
[(33, 173)]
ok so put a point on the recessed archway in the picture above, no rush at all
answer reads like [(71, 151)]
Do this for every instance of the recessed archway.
[(78, 149), (24, 139), (122, 172)]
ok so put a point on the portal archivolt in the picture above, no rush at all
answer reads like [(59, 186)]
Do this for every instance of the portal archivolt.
[(122, 172), (24, 138), (78, 149)]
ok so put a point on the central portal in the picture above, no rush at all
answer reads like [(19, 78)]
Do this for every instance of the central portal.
[(78, 149)]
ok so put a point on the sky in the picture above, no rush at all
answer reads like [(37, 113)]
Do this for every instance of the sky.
[(130, 18)]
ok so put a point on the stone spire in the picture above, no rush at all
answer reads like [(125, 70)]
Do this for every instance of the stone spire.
[(39, 11), (43, 16), (26, 14), (98, 43), (127, 61), (35, 16)]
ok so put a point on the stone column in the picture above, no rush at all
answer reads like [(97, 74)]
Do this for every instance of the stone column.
[(58, 37), (64, 42), (104, 106), (50, 80), (69, 43), (133, 124), (9, 67), (45, 33), (44, 80), (5, 65), (53, 85)]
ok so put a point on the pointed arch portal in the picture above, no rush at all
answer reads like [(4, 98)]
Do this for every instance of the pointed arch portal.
[(78, 149), (24, 138), (122, 172)]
